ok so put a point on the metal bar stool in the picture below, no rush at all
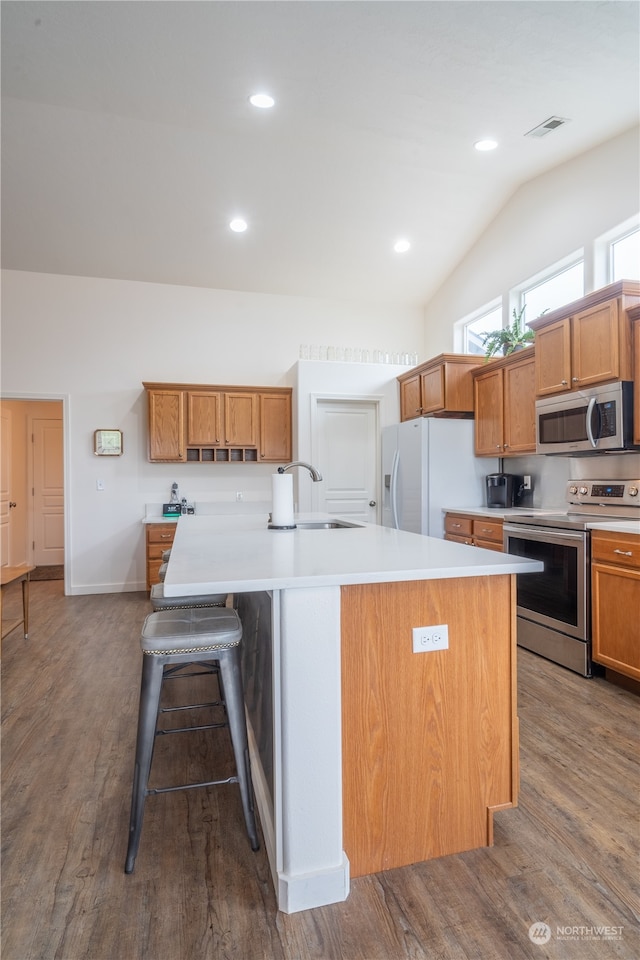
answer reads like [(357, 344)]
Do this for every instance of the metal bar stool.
[(173, 637), (160, 602)]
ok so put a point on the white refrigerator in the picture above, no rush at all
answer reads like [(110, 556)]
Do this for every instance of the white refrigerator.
[(428, 465)]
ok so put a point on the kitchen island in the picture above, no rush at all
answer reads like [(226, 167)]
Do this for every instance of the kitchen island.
[(365, 755)]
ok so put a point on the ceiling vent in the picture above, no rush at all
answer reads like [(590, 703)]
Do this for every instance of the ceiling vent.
[(547, 127)]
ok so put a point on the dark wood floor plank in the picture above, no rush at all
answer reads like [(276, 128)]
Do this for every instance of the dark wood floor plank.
[(567, 856)]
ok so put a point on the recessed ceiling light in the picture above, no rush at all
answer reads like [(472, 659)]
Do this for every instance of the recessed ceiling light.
[(238, 225), (484, 145), (262, 100), (401, 246)]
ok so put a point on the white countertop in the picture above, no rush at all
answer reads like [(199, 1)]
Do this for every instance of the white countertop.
[(235, 554), (616, 526), (500, 513)]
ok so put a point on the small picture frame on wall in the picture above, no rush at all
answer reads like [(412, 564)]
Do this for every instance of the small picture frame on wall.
[(107, 443)]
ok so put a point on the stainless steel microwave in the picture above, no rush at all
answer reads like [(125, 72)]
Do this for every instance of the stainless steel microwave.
[(586, 421)]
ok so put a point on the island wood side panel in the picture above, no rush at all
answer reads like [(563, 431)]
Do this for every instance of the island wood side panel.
[(429, 740)]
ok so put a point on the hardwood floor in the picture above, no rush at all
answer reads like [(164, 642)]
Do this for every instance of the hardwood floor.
[(567, 857)]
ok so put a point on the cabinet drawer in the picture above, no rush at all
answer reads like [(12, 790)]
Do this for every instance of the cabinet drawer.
[(622, 549), (487, 544), (161, 533), (455, 539), (458, 526), (488, 530)]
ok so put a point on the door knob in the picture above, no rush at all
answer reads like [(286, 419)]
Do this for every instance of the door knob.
[(372, 503), (12, 503)]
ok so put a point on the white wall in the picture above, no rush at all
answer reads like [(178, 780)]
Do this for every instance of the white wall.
[(545, 220), (94, 341)]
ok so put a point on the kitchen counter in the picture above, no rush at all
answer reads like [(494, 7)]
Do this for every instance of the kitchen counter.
[(372, 746), (500, 513), (250, 557), (616, 526)]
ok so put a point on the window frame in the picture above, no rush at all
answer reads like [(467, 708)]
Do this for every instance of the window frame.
[(461, 326)]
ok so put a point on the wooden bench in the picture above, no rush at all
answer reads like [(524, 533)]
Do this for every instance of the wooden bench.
[(17, 574)]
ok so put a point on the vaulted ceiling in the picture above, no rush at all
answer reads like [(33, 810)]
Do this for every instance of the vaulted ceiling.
[(128, 142)]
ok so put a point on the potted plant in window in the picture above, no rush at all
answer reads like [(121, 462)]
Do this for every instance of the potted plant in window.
[(514, 337)]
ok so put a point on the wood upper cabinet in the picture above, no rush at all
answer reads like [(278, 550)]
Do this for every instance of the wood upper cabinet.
[(441, 387), (200, 423), (275, 427), (586, 343), (167, 438), (241, 419), (634, 314), (615, 580), (505, 406), (204, 418)]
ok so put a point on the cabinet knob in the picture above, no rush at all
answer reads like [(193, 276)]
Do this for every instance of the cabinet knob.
[(497, 446), (372, 503), (624, 553), (506, 446), (563, 382), (575, 380)]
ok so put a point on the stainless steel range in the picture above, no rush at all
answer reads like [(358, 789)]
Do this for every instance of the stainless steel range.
[(554, 606)]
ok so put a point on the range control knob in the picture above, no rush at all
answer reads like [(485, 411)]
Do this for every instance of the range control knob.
[(633, 491), (584, 490), (573, 489)]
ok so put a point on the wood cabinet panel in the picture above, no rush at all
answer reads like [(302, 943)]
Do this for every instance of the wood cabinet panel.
[(458, 526), (477, 531), (484, 529), (166, 425), (410, 398), (553, 358), (635, 313), (489, 407), (275, 427), (204, 418), (616, 625), (619, 548), (595, 348), (519, 407), (241, 419), (429, 740)]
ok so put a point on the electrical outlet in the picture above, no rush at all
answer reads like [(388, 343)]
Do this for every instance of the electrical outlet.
[(239, 496), (527, 483), (431, 638), (100, 485)]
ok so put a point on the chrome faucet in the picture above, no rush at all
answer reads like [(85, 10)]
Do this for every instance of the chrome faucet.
[(315, 474)]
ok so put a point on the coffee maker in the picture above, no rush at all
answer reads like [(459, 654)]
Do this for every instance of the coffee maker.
[(504, 489)]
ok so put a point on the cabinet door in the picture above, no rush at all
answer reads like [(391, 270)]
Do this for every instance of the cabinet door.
[(275, 426), (410, 398), (636, 377), (520, 407), (489, 405), (433, 390), (204, 418), (241, 419), (166, 425), (553, 358), (595, 345), (616, 627)]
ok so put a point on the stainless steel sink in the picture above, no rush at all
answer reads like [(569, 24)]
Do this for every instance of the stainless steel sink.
[(325, 525)]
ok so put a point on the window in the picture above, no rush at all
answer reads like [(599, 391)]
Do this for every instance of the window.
[(553, 291), (625, 257), (481, 322)]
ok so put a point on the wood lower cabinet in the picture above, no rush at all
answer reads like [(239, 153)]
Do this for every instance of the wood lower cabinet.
[(201, 423), (504, 402), (475, 531), (441, 387), (615, 597), (587, 342), (159, 538)]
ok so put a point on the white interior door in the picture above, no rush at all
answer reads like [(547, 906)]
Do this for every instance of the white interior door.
[(48, 492), (5, 486), (345, 450)]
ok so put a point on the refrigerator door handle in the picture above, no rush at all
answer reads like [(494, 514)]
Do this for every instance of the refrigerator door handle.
[(394, 489)]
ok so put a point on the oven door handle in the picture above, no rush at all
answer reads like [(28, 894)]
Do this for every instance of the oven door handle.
[(548, 534), (593, 405)]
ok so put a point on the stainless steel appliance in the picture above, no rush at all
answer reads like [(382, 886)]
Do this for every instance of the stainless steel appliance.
[(429, 464), (503, 489), (554, 606), (586, 421)]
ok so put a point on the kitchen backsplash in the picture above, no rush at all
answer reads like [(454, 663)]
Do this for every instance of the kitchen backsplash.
[(549, 475)]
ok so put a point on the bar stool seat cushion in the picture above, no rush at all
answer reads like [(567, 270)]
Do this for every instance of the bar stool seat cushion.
[(160, 602), (190, 630)]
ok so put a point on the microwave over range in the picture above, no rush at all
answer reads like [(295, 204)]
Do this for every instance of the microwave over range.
[(598, 420)]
